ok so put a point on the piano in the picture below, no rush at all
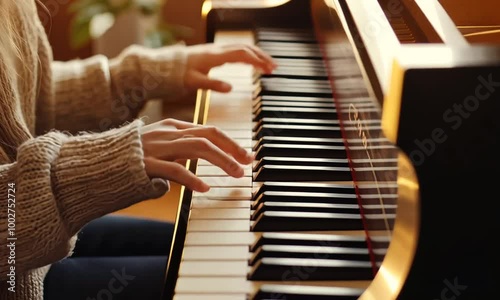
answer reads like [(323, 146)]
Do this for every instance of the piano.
[(374, 141)]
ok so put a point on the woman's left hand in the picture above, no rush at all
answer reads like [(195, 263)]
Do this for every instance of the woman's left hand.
[(202, 58)]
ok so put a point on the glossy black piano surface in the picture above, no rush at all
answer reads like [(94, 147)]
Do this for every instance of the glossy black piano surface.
[(331, 195)]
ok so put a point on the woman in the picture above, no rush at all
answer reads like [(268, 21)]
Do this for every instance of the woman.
[(71, 152)]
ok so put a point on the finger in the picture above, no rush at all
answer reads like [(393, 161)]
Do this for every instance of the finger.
[(263, 55), (220, 139), (178, 123), (196, 147), (198, 80), (161, 134), (243, 54), (175, 172)]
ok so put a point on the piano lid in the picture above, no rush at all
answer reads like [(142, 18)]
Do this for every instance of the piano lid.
[(379, 27)]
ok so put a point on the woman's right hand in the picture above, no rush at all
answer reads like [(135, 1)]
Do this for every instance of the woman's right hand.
[(169, 141)]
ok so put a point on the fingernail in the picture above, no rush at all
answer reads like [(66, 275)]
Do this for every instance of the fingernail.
[(247, 154), (240, 174), (250, 155), (204, 188), (226, 86)]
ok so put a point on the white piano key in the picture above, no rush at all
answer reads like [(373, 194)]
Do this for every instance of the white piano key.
[(232, 99), (215, 285), (228, 36), (213, 268), (208, 203), (225, 125), (226, 253), (220, 214), (236, 285), (218, 225), (221, 238), (203, 171), (225, 194), (239, 134), (227, 181)]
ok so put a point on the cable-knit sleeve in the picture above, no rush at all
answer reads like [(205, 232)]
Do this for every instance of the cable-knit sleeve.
[(59, 183), (97, 94)]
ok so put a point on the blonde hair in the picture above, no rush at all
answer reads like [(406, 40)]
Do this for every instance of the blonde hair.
[(14, 72)]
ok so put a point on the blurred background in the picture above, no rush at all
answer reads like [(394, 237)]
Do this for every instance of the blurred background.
[(78, 29)]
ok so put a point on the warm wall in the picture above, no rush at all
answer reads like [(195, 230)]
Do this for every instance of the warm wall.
[(477, 12), (57, 25)]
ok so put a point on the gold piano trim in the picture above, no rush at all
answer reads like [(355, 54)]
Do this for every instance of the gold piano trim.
[(397, 263)]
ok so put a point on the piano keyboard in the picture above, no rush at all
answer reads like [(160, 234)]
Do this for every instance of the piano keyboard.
[(292, 227)]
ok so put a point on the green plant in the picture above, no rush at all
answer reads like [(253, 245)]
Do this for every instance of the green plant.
[(84, 11)]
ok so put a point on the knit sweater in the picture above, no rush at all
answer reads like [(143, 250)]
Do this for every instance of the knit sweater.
[(70, 149)]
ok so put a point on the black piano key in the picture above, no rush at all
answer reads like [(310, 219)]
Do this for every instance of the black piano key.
[(305, 207), (297, 73), (297, 131), (267, 103), (287, 46), (296, 113), (287, 38), (300, 161), (304, 292), (296, 99), (269, 139), (276, 191), (286, 251), (306, 221), (294, 35), (313, 197), (302, 173), (293, 91), (279, 49), (307, 187), (290, 121), (300, 62), (301, 50), (298, 150), (291, 68), (361, 108), (381, 143), (302, 83), (295, 54), (369, 209), (309, 239), (277, 268)]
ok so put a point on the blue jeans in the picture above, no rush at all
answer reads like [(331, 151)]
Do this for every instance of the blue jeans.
[(115, 257)]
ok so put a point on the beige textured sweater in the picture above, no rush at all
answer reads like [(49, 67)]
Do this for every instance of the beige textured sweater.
[(60, 177)]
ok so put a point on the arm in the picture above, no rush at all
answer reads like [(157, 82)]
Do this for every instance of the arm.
[(62, 182), (97, 94)]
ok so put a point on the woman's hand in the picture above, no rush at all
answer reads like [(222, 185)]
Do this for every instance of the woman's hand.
[(202, 58), (169, 141)]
